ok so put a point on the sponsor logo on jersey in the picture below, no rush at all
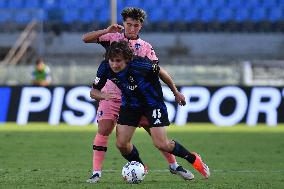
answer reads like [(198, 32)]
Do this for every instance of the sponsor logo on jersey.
[(137, 46)]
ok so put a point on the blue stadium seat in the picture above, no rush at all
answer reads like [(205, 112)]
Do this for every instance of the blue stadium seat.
[(281, 3), (217, 4), (242, 14), (235, 4), (186, 4), (48, 4), (100, 4), (225, 14), (269, 3), (276, 14), (252, 3), (87, 15), (103, 16), (32, 4), (258, 14), (202, 3), (15, 4), (208, 15), (22, 17), (70, 15), (192, 15), (148, 6), (168, 4), (5, 16), (134, 3), (3, 4), (174, 15), (156, 15)]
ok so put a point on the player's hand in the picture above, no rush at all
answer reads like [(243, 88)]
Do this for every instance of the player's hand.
[(180, 99), (115, 28)]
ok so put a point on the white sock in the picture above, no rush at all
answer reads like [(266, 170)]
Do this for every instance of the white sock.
[(99, 172), (174, 165)]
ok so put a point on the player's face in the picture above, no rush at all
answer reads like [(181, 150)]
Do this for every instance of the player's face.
[(40, 66), (132, 28), (117, 64)]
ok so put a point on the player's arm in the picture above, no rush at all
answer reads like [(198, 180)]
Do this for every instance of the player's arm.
[(98, 95), (100, 82), (166, 78), (92, 37)]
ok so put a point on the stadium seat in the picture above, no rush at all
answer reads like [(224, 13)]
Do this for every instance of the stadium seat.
[(48, 4), (3, 4), (103, 16), (252, 4), (242, 15), (258, 14), (275, 14), (224, 15), (87, 15), (174, 15), (208, 15), (202, 4), (192, 15), (217, 3), (55, 14), (15, 4), (32, 4), (168, 4), (281, 3), (235, 4), (5, 16), (134, 3), (269, 3), (22, 17), (156, 15), (70, 15)]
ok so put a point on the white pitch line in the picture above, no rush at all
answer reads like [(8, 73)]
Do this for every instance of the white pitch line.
[(216, 171), (166, 170)]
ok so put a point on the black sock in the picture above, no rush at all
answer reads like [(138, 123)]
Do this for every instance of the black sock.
[(133, 156), (182, 152)]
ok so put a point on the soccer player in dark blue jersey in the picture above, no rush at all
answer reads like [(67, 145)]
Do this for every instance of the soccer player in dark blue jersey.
[(142, 95)]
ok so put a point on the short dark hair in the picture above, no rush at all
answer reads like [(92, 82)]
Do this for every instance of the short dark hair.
[(119, 48), (39, 60), (134, 13)]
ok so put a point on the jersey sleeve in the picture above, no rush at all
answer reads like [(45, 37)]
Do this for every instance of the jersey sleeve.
[(151, 54), (101, 77), (146, 66), (106, 39)]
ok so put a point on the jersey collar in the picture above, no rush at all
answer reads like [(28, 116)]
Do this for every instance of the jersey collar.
[(131, 39)]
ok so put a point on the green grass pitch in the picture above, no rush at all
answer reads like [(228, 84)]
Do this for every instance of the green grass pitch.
[(42, 156)]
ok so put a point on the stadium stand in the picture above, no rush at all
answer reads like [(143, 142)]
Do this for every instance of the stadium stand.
[(203, 12)]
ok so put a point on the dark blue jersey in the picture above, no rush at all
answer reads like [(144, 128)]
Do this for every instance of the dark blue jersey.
[(138, 82)]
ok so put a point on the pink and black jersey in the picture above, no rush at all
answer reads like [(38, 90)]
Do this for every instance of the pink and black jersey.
[(140, 47)]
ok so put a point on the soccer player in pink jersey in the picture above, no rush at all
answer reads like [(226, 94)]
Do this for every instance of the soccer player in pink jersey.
[(108, 110)]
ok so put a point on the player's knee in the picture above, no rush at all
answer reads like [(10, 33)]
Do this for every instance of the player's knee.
[(121, 145), (105, 132)]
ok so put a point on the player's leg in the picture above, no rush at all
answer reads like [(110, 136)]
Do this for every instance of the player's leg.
[(107, 116), (160, 140), (171, 159), (127, 123)]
